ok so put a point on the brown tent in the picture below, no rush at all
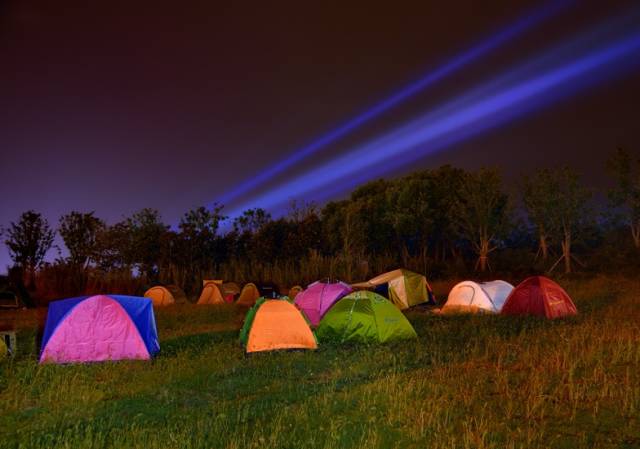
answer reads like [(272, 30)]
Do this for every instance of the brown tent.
[(165, 295), (211, 293), (248, 295)]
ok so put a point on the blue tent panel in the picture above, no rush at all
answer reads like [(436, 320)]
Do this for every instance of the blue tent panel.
[(141, 312)]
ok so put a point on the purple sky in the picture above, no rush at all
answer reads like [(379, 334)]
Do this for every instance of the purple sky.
[(112, 107)]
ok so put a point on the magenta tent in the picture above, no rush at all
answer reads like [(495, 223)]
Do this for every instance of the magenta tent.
[(99, 328), (319, 297)]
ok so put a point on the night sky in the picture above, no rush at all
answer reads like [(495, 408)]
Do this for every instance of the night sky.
[(115, 106)]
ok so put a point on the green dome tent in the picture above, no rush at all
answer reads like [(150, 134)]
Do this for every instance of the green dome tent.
[(364, 317)]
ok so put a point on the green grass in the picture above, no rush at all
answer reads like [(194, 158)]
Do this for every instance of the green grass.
[(467, 382)]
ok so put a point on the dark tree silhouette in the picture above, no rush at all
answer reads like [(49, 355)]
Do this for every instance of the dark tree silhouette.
[(145, 231), (625, 195), (28, 241), (482, 211), (539, 195), (569, 213), (79, 232)]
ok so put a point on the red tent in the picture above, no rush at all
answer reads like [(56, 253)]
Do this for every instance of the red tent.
[(539, 296)]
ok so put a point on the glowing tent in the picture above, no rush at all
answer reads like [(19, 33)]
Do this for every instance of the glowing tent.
[(99, 328), (539, 296), (249, 295), (364, 317), (469, 296), (319, 297), (276, 324), (166, 295), (211, 293), (403, 287)]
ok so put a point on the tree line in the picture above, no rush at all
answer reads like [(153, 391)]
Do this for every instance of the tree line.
[(441, 221)]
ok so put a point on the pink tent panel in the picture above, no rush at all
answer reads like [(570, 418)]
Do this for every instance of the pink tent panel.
[(319, 297)]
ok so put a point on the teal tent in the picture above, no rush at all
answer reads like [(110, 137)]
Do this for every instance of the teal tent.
[(364, 317)]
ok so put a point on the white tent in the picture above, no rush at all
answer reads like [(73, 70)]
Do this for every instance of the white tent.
[(469, 296)]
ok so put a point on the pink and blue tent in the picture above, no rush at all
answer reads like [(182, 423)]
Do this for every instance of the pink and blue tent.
[(319, 297), (99, 328)]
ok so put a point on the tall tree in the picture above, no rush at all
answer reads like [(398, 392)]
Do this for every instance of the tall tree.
[(145, 230), (300, 210), (251, 220), (198, 238), (539, 195), (332, 217), (305, 230), (113, 248), (79, 232), (28, 241), (445, 185), (369, 218), (625, 195), (482, 211), (569, 212), (341, 234), (410, 213), (271, 240)]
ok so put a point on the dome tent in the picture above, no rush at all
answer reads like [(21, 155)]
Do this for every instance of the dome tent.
[(319, 297), (469, 296), (211, 293), (273, 324), (249, 295), (404, 288), (99, 328), (364, 317), (539, 296), (166, 295)]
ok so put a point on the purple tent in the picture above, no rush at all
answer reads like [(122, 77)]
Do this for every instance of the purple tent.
[(319, 297)]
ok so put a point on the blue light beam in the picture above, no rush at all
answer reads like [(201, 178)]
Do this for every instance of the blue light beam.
[(454, 121), (527, 22)]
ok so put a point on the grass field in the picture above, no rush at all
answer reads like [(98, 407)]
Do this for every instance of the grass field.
[(467, 382)]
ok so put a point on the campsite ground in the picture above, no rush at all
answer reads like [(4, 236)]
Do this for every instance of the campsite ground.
[(467, 382)]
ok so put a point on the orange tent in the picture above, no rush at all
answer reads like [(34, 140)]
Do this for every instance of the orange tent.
[(211, 293), (165, 295), (249, 295), (276, 324)]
